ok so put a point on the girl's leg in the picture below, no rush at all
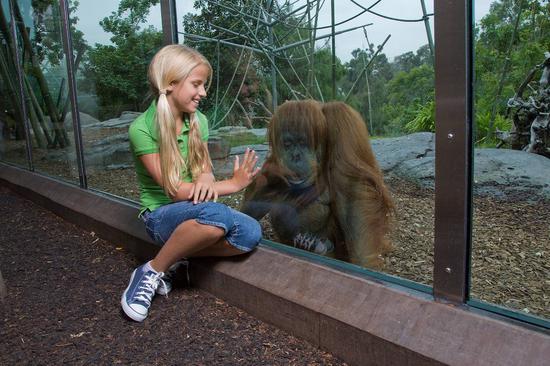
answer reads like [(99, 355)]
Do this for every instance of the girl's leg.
[(208, 229), (220, 249), (192, 238)]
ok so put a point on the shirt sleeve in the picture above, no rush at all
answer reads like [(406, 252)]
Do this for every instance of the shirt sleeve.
[(142, 139)]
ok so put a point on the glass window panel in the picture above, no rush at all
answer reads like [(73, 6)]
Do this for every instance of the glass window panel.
[(113, 45), (511, 234), (257, 66), (46, 89), (13, 147)]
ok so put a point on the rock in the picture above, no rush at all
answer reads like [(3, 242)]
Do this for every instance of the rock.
[(124, 120), (224, 167), (507, 173), (119, 166), (86, 120), (218, 148), (260, 132), (502, 173), (230, 130), (391, 152)]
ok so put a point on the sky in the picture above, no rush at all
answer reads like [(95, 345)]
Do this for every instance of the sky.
[(405, 36)]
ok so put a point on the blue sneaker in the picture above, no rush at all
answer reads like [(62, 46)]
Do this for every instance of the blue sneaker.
[(169, 277), (137, 297)]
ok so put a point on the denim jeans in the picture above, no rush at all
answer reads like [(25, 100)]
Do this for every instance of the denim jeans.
[(241, 231)]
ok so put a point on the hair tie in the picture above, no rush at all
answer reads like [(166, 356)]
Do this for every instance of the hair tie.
[(162, 92)]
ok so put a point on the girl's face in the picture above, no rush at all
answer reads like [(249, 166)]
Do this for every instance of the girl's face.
[(186, 94)]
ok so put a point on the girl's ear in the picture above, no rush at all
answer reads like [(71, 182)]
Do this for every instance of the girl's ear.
[(171, 86)]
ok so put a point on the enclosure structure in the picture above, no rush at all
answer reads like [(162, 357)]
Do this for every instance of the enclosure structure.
[(365, 316)]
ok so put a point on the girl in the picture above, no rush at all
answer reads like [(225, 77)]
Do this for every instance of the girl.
[(177, 186)]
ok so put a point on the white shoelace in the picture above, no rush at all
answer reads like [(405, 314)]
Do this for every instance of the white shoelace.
[(149, 286)]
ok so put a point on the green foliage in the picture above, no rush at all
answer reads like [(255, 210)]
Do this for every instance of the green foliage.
[(119, 71), (483, 134), (424, 121), (245, 139), (405, 92), (495, 44), (394, 97)]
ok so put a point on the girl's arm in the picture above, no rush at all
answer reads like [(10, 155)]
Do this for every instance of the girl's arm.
[(203, 187), (152, 164), (243, 174)]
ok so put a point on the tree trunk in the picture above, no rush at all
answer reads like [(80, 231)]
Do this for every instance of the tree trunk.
[(504, 72), (61, 137)]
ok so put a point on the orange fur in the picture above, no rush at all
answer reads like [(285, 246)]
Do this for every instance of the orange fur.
[(363, 204), (347, 203)]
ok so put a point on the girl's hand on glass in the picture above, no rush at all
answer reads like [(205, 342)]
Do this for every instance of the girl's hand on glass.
[(244, 173), (203, 189)]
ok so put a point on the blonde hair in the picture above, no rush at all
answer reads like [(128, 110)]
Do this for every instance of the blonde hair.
[(173, 64)]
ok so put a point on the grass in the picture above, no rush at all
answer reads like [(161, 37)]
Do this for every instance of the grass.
[(245, 139)]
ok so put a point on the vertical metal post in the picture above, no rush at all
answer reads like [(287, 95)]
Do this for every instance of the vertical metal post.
[(453, 164), (18, 65), (169, 21), (274, 96), (428, 29), (68, 49), (333, 31)]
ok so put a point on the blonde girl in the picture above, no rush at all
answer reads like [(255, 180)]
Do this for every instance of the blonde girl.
[(177, 187)]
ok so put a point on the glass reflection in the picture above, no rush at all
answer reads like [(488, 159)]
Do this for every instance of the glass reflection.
[(12, 131), (388, 80), (45, 86), (511, 235), (113, 44)]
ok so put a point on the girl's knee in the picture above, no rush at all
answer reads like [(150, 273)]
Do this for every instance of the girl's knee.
[(216, 213), (256, 232), (251, 233), (211, 232)]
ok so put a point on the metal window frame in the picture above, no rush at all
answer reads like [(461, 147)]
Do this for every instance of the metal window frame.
[(71, 72), (169, 21)]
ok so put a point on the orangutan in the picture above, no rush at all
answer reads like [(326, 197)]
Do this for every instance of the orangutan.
[(321, 185)]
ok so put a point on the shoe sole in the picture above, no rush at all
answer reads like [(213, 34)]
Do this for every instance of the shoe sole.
[(131, 313)]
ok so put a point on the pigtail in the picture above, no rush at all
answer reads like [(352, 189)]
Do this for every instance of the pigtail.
[(198, 158), (171, 161)]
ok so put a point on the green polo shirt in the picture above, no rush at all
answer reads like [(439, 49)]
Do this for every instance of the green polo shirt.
[(144, 140)]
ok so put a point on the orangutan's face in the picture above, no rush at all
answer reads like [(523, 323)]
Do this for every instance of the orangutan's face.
[(298, 157)]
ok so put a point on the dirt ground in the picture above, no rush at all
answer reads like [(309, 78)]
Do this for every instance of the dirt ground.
[(63, 307), (510, 239)]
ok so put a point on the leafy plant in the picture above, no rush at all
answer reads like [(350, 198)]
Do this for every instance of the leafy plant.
[(424, 119)]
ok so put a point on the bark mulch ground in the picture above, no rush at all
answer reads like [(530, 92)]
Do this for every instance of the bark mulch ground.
[(62, 306)]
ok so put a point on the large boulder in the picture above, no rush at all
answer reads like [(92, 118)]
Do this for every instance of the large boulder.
[(218, 148), (500, 173), (224, 167), (390, 152)]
